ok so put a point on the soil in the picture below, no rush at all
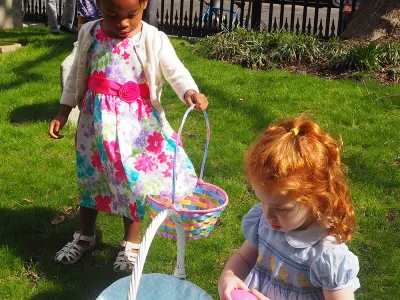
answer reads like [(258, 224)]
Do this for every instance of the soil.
[(384, 76)]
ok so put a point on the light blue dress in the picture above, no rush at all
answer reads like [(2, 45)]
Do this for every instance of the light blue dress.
[(297, 265)]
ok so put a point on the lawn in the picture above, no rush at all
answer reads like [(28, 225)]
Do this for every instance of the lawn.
[(37, 174)]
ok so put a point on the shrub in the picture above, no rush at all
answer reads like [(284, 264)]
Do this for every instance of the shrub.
[(290, 48), (389, 54), (365, 56), (361, 57), (262, 50)]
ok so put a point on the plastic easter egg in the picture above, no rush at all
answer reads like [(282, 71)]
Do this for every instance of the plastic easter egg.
[(242, 295)]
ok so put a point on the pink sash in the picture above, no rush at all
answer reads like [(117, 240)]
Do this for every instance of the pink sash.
[(129, 92)]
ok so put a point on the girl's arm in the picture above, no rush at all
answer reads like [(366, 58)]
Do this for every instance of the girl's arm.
[(81, 21), (173, 69), (343, 294), (236, 269)]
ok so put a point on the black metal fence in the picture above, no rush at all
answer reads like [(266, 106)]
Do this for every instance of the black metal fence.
[(204, 17), (35, 11)]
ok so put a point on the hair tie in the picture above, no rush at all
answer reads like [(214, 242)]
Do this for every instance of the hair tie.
[(295, 131)]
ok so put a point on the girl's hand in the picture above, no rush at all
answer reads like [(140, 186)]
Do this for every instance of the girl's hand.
[(56, 125), (229, 282), (258, 295), (199, 99), (59, 121)]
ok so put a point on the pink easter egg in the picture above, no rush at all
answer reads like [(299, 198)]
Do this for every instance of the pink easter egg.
[(242, 295)]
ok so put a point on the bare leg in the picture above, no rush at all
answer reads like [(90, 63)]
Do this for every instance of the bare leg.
[(131, 230), (88, 219)]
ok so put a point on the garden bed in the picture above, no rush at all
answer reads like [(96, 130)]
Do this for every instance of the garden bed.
[(356, 59)]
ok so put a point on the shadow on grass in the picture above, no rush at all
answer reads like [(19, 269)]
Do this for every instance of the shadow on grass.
[(39, 39), (34, 112), (38, 36), (258, 119), (374, 173), (29, 234)]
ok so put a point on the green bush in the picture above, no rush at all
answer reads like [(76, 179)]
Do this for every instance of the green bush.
[(238, 47), (365, 56), (390, 54), (290, 48), (360, 57), (263, 50)]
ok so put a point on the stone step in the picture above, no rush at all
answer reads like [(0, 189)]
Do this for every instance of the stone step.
[(9, 47)]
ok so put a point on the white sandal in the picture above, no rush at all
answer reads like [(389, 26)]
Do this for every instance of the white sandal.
[(126, 258), (72, 252)]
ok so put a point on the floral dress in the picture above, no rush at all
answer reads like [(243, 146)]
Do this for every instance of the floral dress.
[(124, 149)]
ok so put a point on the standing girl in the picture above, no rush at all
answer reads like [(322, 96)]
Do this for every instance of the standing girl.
[(294, 246), (124, 144)]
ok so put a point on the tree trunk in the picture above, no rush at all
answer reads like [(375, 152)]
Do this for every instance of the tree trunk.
[(374, 19), (10, 14)]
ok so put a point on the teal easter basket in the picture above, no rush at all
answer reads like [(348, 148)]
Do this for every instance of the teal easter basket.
[(157, 286)]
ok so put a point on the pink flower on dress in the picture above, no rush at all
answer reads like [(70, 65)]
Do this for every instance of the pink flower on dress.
[(103, 203), (126, 55), (112, 150), (120, 171), (116, 49), (102, 37), (162, 158), (125, 43), (167, 173), (134, 213), (145, 163), (156, 142), (170, 163), (96, 161)]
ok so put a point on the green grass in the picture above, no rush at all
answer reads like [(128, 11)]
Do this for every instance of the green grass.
[(37, 174)]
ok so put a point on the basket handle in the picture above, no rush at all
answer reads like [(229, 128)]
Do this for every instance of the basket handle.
[(145, 246), (178, 139)]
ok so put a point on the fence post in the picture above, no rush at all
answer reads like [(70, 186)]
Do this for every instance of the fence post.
[(256, 14), (340, 22)]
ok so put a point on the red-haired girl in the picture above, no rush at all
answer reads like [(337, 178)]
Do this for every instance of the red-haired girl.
[(295, 237)]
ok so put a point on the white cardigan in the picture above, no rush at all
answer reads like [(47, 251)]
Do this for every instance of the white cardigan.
[(156, 55)]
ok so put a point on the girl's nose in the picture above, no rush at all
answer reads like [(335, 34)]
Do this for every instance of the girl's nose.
[(269, 213), (124, 23)]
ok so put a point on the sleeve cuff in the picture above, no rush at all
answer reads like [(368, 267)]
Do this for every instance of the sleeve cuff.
[(68, 99), (354, 283)]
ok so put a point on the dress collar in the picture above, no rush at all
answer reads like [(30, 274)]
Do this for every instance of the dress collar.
[(306, 238)]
